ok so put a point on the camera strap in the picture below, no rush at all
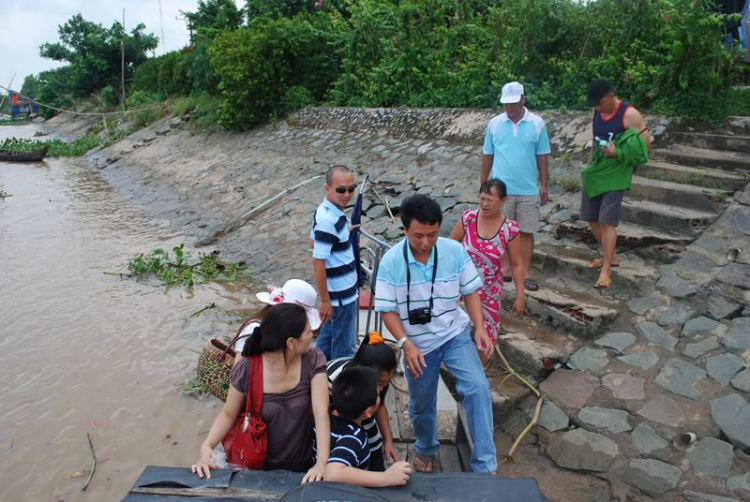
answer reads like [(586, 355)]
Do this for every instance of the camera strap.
[(408, 274)]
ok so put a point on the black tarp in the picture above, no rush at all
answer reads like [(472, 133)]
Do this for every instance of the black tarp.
[(174, 484)]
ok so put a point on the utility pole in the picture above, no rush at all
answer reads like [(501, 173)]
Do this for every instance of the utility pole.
[(163, 40), (122, 52)]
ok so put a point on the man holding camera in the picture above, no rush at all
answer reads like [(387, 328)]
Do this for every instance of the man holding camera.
[(419, 285)]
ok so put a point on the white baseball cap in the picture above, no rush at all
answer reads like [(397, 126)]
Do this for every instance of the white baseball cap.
[(512, 93), (295, 291)]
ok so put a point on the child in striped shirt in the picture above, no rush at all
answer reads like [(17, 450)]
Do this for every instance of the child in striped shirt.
[(355, 398)]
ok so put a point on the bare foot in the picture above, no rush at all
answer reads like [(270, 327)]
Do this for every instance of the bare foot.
[(603, 283)]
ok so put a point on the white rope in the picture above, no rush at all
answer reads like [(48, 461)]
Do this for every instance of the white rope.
[(91, 114)]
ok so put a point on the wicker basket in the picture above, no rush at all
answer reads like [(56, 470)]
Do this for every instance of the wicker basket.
[(214, 364)]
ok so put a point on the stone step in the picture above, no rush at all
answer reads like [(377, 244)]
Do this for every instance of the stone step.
[(573, 312), (709, 178), (667, 218), (735, 143), (533, 351), (701, 157), (568, 261), (676, 194), (629, 235)]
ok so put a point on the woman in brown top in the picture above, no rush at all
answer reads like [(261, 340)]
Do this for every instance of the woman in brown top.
[(295, 395)]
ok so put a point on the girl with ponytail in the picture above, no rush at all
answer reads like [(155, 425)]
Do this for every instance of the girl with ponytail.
[(373, 353), (295, 396)]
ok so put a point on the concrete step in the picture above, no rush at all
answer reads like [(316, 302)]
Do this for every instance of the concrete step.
[(676, 194), (701, 157), (564, 309), (629, 235), (709, 178), (667, 218), (568, 261), (734, 143), (533, 351)]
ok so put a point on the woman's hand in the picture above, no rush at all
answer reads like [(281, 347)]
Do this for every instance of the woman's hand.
[(519, 306), (389, 452), (205, 462), (316, 473)]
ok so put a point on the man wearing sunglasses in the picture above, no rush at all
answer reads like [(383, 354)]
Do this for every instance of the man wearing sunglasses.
[(334, 266)]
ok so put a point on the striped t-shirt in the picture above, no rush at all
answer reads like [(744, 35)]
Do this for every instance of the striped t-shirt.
[(333, 368), (456, 276), (330, 231), (348, 444)]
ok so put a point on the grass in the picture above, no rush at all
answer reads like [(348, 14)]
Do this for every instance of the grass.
[(700, 180), (57, 148), (183, 270), (569, 182)]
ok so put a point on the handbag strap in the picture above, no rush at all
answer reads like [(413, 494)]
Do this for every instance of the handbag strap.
[(254, 394), (237, 337)]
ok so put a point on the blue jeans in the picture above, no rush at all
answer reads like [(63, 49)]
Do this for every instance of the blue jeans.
[(460, 356), (337, 337)]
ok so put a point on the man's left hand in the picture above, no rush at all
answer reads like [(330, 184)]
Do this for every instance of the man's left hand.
[(609, 150), (543, 194), (483, 342)]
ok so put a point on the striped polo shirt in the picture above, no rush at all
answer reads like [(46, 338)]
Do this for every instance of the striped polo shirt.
[(330, 231), (456, 276)]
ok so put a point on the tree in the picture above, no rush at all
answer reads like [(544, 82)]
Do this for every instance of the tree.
[(212, 17), (93, 52)]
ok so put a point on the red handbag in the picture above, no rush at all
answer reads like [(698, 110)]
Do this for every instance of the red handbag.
[(246, 443)]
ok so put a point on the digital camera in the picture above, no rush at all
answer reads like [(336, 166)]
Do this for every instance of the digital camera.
[(420, 316)]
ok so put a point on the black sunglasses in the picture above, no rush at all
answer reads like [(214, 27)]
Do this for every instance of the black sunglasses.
[(350, 189)]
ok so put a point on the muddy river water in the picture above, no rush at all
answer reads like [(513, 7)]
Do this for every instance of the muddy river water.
[(82, 351)]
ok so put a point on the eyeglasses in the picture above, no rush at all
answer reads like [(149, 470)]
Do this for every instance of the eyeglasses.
[(350, 189)]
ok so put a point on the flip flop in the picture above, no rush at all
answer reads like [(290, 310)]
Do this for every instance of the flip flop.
[(531, 285), (427, 463), (592, 265), (601, 285), (508, 278)]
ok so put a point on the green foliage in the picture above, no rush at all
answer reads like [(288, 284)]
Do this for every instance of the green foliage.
[(203, 109), (30, 87), (182, 270), (212, 17), (108, 96), (93, 53), (57, 148), (258, 65)]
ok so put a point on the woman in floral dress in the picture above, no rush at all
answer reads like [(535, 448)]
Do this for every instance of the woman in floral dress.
[(487, 234)]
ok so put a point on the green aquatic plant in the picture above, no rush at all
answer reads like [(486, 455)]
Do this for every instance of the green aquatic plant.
[(182, 270), (57, 148)]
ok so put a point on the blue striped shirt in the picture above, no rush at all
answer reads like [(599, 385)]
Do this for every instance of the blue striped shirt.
[(456, 276), (330, 231)]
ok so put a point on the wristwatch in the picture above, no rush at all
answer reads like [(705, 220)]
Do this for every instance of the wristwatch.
[(400, 343)]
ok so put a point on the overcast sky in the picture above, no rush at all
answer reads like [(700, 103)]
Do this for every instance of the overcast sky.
[(27, 24)]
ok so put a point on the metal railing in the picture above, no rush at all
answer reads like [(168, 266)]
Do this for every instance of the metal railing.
[(369, 275)]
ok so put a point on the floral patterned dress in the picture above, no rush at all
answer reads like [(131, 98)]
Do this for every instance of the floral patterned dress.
[(487, 255)]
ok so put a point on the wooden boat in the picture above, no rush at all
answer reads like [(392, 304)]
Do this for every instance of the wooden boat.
[(20, 156)]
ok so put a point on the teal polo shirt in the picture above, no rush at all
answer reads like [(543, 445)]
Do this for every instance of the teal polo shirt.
[(515, 147)]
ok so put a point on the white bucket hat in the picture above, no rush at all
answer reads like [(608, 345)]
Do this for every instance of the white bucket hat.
[(295, 291)]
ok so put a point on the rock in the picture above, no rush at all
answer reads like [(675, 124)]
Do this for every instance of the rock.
[(651, 476), (679, 314), (742, 381), (656, 334), (552, 418), (713, 457), (691, 496), (515, 424), (732, 414), (642, 305), (644, 360), (739, 221), (625, 386), (162, 129), (582, 450), (617, 341), (646, 440), (738, 337), (615, 421), (722, 307), (698, 325), (664, 410), (673, 284), (681, 377), (559, 217), (700, 348), (570, 388), (587, 359), (741, 482), (742, 197), (724, 367)]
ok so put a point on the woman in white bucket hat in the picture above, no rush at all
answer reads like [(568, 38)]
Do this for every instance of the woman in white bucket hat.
[(293, 291)]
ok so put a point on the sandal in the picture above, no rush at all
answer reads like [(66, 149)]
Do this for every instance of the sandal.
[(531, 285), (424, 463), (603, 284), (596, 264)]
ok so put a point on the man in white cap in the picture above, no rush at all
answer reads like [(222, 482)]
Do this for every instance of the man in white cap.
[(516, 147), (294, 291)]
